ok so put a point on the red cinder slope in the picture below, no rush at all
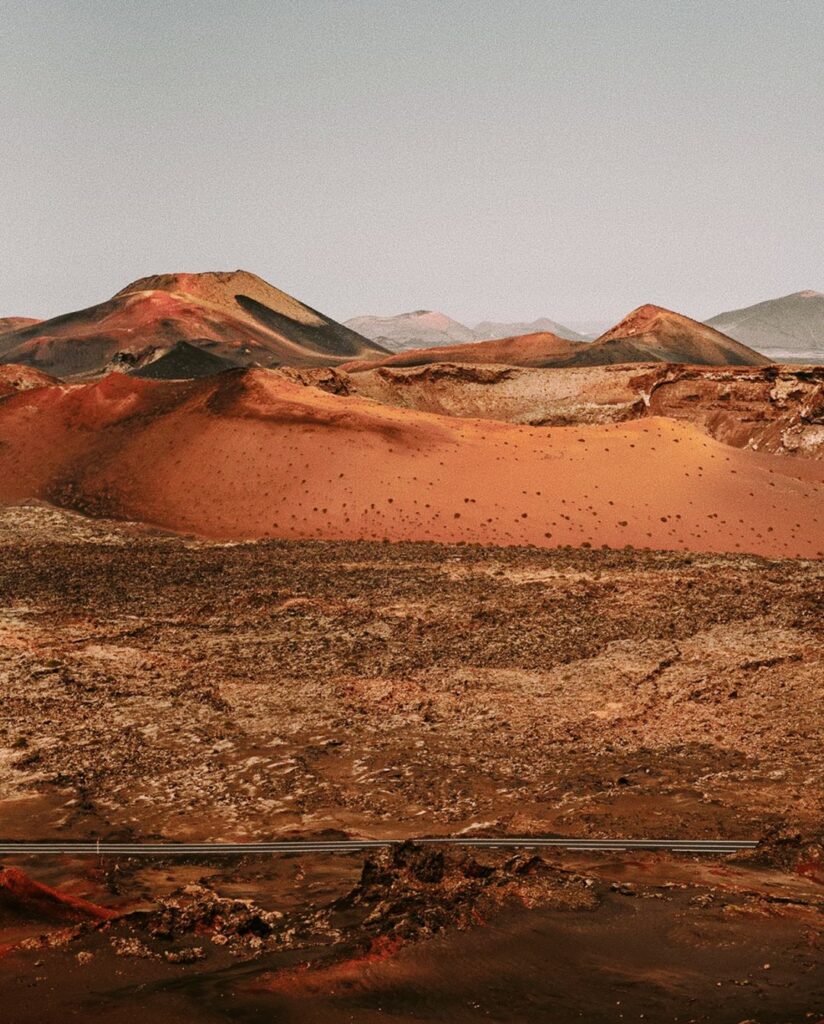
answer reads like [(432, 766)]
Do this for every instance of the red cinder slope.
[(250, 454), (28, 898), (236, 316), (541, 349)]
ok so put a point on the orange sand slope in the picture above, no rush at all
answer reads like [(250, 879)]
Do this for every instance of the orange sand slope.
[(250, 454)]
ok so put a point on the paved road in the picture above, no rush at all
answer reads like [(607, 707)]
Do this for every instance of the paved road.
[(296, 846)]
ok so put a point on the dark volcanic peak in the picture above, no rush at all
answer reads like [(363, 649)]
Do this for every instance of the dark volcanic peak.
[(639, 321), (242, 317), (651, 333), (183, 362)]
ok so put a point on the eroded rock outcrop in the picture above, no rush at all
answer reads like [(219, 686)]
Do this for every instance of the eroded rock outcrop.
[(778, 409)]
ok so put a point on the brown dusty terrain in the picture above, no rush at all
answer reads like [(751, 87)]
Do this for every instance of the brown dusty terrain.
[(251, 453), (285, 685), (159, 686), (153, 686)]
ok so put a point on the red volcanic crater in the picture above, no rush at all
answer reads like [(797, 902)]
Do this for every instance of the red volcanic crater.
[(249, 454)]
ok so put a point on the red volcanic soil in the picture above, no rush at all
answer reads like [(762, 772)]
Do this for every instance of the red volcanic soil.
[(541, 349), (651, 333), (21, 895), (15, 378), (250, 454), (307, 980), (236, 316)]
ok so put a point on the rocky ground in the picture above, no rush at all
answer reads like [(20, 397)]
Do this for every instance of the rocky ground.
[(158, 686), (777, 409)]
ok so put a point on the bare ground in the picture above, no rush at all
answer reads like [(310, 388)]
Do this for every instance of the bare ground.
[(157, 686)]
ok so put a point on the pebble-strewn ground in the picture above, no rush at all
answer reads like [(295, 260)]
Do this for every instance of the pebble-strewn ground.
[(156, 686), (186, 689)]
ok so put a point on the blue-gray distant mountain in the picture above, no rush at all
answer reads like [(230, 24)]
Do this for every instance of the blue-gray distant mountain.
[(490, 331), (423, 328), (788, 329), (426, 328)]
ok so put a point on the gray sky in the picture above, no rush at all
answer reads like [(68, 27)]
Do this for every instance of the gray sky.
[(502, 160)]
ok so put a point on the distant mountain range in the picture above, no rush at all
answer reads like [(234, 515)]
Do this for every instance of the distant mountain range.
[(789, 328), (425, 328), (649, 334), (422, 328), (489, 331), (190, 325)]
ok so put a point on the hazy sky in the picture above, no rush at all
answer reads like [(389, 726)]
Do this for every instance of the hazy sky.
[(503, 160)]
